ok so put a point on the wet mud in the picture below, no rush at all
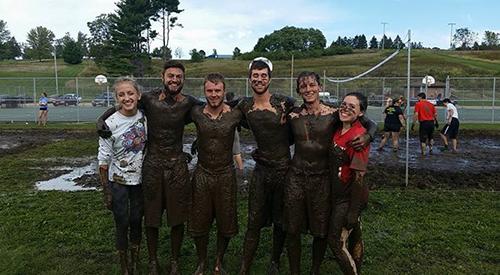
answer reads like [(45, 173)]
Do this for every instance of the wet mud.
[(476, 165)]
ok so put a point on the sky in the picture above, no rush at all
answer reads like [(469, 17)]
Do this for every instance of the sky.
[(226, 24)]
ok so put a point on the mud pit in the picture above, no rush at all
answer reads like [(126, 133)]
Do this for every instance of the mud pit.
[(476, 165)]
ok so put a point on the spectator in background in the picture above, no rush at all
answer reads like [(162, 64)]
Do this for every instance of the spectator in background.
[(43, 113), (450, 130), (425, 113), (394, 120)]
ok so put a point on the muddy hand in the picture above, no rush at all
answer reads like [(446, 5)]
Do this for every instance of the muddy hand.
[(108, 200), (351, 220), (360, 142), (103, 129)]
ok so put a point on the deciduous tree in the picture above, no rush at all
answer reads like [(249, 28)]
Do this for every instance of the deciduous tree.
[(40, 41), (291, 39)]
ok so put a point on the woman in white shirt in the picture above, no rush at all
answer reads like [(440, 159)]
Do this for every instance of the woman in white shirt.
[(120, 164)]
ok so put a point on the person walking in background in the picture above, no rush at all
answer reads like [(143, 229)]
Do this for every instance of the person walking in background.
[(43, 113), (450, 130), (120, 165), (394, 120), (425, 113)]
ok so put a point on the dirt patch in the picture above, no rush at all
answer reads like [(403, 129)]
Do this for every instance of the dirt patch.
[(15, 141), (476, 165)]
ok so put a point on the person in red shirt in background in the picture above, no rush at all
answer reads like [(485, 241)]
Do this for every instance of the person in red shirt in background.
[(349, 191), (426, 114)]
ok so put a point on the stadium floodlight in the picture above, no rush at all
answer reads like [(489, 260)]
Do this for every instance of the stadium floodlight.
[(383, 34), (451, 34)]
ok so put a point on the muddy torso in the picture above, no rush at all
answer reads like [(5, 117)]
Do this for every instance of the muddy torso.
[(269, 127), (166, 122), (313, 136), (215, 137)]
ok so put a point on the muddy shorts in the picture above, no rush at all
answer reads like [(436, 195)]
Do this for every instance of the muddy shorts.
[(426, 130), (307, 203), (451, 130), (265, 197), (166, 186), (214, 197)]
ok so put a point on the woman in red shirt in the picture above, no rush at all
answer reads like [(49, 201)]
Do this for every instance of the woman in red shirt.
[(349, 192)]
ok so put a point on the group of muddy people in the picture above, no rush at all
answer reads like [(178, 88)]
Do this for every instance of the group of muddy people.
[(320, 190)]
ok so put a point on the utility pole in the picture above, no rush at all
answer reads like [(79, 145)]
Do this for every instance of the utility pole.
[(451, 34), (55, 69), (383, 36)]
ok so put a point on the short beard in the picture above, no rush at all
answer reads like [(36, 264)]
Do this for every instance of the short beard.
[(260, 93), (215, 106), (173, 93)]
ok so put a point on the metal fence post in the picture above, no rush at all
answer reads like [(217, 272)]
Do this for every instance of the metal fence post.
[(34, 97), (493, 102), (447, 87), (77, 101)]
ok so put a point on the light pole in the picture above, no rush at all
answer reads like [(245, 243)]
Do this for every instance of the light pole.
[(383, 36), (55, 69), (451, 34)]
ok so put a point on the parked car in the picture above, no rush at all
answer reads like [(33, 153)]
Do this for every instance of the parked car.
[(104, 100), (65, 100), (332, 100)]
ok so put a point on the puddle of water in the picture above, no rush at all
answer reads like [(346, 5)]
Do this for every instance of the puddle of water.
[(66, 182)]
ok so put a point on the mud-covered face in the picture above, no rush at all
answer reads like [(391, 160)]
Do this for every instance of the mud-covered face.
[(260, 80), (350, 109), (309, 89), (173, 80), (127, 97), (214, 92)]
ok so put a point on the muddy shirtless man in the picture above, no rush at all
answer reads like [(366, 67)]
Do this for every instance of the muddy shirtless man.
[(307, 193), (214, 178), (165, 179)]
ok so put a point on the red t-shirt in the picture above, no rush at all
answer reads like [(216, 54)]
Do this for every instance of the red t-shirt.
[(425, 110), (358, 160)]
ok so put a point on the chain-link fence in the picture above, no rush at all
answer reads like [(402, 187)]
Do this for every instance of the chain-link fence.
[(81, 99)]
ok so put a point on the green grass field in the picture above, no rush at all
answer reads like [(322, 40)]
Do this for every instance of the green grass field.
[(439, 63), (406, 231)]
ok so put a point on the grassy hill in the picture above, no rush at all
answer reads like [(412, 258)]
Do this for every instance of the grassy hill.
[(438, 63)]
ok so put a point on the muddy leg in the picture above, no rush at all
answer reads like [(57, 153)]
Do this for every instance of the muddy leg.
[(152, 240), (319, 249), (201, 251), (176, 237), (252, 238), (294, 251), (222, 243)]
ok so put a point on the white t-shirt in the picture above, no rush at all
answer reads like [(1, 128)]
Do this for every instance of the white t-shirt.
[(123, 152), (451, 107)]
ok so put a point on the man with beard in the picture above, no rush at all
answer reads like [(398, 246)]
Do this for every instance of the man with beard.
[(307, 192), (214, 178), (165, 174)]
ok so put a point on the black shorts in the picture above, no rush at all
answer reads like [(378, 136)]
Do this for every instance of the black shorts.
[(392, 127), (426, 130), (265, 197), (451, 130)]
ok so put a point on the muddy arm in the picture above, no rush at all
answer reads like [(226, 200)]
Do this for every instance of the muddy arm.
[(101, 126), (364, 140), (359, 198), (103, 176)]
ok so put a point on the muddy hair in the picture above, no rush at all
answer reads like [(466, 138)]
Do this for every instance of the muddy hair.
[(259, 65), (215, 78), (305, 74), (363, 101), (173, 64), (128, 79)]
